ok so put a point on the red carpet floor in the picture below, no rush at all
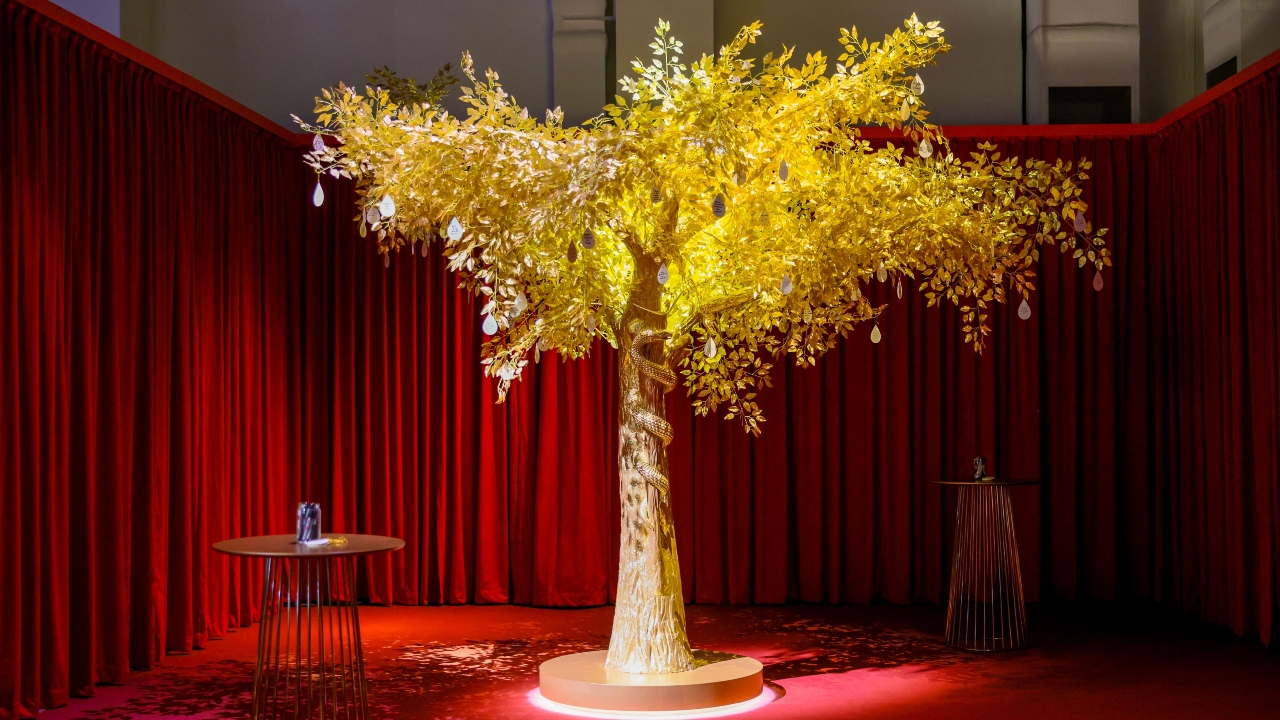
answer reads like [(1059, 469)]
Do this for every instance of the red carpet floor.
[(829, 661)]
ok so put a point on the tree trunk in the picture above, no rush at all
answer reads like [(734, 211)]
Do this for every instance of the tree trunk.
[(648, 618)]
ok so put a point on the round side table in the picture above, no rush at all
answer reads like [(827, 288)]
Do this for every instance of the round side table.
[(986, 610), (310, 662)]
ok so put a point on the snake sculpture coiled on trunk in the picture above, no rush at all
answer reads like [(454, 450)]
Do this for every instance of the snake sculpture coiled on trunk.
[(650, 422)]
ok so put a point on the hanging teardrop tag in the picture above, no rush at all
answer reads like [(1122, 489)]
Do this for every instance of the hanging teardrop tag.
[(591, 323), (875, 334), (881, 273), (386, 259), (521, 303), (1078, 223), (785, 286), (906, 111), (588, 239), (717, 205), (424, 248), (710, 348), (764, 217), (784, 172), (371, 215), (899, 288), (925, 149), (490, 326), (808, 314), (386, 206), (1097, 281), (573, 251), (654, 196), (317, 143), (1024, 310), (740, 177), (455, 230), (317, 197), (917, 85), (663, 275), (364, 229)]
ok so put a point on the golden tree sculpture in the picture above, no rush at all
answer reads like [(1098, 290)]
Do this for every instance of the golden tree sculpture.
[(720, 214)]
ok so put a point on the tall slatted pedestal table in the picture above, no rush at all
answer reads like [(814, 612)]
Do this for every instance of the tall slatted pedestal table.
[(986, 610), (310, 663)]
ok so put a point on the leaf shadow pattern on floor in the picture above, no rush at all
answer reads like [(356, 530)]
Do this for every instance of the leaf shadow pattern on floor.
[(838, 648), (221, 689), (449, 675)]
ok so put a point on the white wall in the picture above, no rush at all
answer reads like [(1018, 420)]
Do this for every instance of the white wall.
[(1247, 30), (978, 82), (275, 56), (579, 43), (1080, 43), (1221, 33), (103, 13), (1172, 55)]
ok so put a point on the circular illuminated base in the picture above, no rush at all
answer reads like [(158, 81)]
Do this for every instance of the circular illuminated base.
[(582, 681)]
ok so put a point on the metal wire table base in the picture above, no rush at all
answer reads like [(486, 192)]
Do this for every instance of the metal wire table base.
[(310, 663), (986, 610)]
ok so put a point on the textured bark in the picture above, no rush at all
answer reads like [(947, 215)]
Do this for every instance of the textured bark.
[(648, 620)]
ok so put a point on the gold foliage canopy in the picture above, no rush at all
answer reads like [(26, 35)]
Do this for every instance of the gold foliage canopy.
[(750, 184)]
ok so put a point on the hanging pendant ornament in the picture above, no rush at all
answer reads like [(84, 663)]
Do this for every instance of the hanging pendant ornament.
[(906, 111), (520, 305), (917, 85), (387, 206), (925, 149), (490, 326), (808, 314), (899, 288), (785, 286), (655, 197), (386, 259), (764, 217), (710, 348), (455, 230), (784, 172), (1024, 310), (317, 197), (573, 251), (424, 247), (663, 275), (371, 215), (588, 239), (364, 229), (1097, 281), (317, 143), (717, 205), (1078, 223), (542, 345), (875, 334), (881, 273), (591, 323)]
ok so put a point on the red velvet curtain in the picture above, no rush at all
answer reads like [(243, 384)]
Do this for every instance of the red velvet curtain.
[(189, 348)]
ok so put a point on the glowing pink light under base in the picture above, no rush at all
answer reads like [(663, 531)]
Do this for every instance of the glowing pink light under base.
[(765, 697)]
